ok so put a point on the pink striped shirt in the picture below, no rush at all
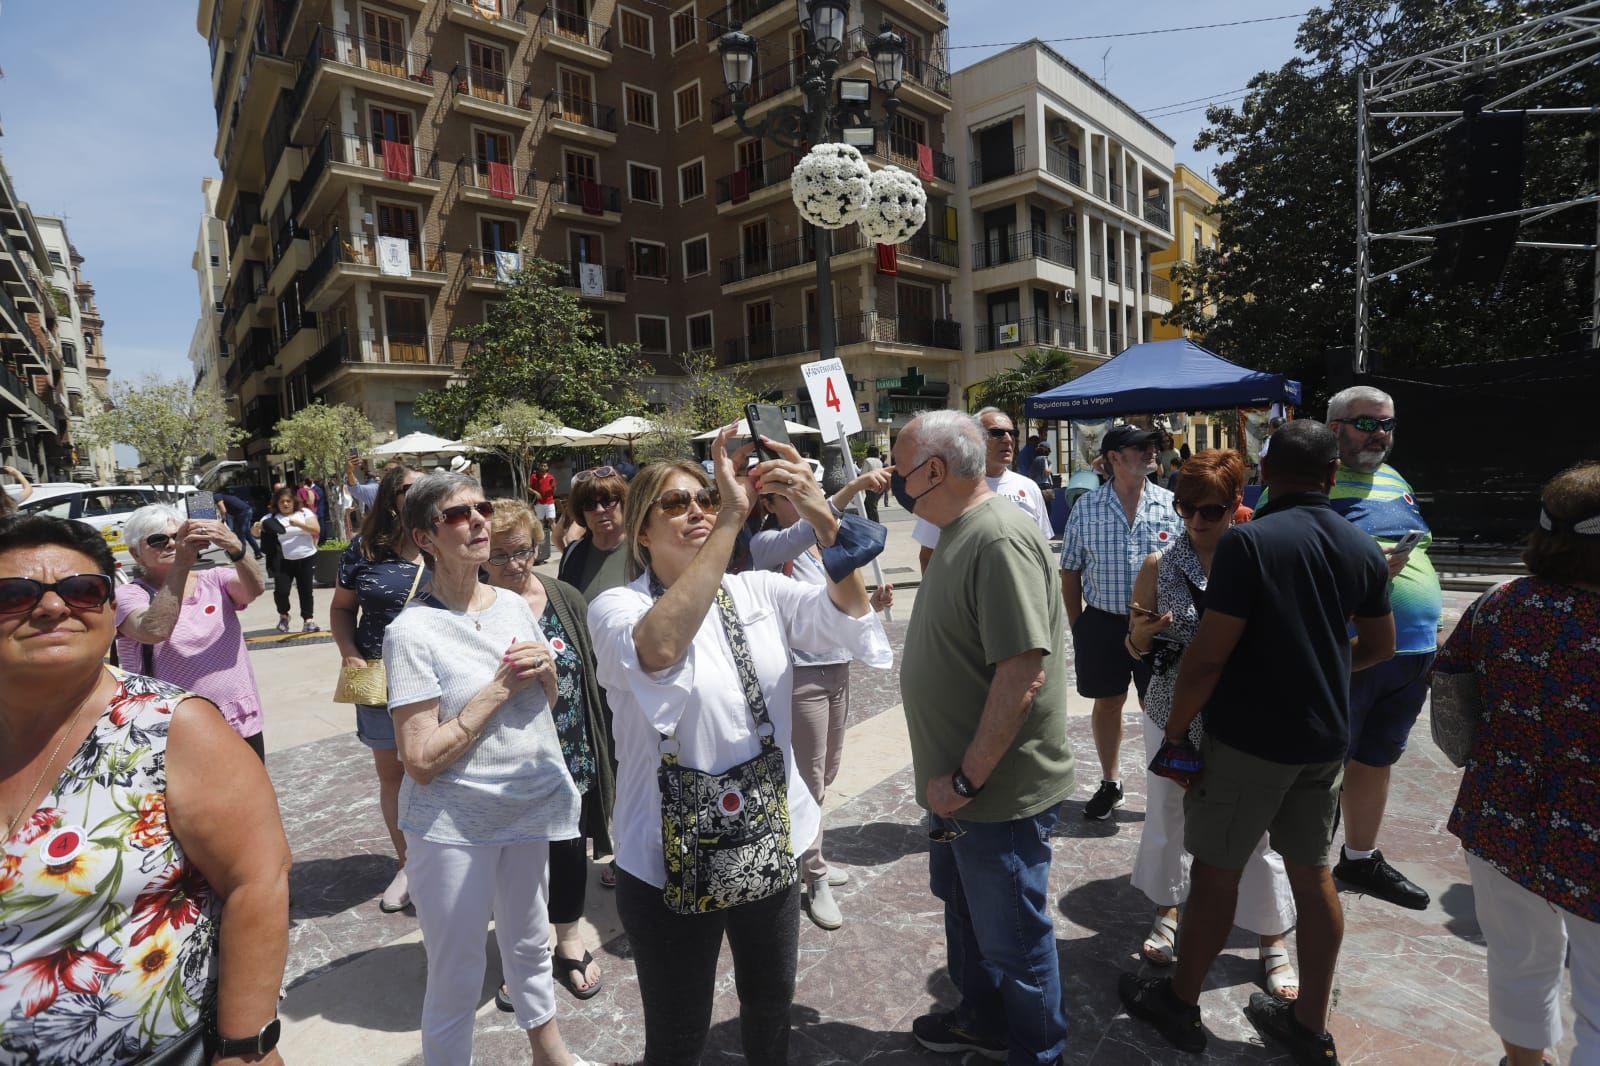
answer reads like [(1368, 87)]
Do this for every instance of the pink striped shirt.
[(205, 654)]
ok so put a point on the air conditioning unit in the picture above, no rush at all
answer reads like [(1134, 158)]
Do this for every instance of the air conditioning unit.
[(1064, 296), (1060, 132)]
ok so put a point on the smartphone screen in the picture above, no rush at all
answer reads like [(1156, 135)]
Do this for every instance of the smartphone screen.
[(766, 421), (202, 504)]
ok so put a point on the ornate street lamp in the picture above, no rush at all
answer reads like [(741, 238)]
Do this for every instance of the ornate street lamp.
[(738, 51), (888, 51)]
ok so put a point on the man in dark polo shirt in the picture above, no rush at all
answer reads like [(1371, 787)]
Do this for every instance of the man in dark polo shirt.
[(1270, 665)]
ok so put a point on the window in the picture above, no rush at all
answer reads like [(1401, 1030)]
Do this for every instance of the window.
[(699, 329), (686, 102), (905, 133), (489, 147), (696, 256), (640, 106), (648, 259), (638, 31), (1199, 242), (692, 181), (498, 234), (653, 333), (754, 243), (384, 43), (586, 248), (683, 33), (758, 329), (398, 220), (486, 71), (405, 320), (601, 321), (749, 155), (644, 183), (69, 353), (216, 253), (55, 257)]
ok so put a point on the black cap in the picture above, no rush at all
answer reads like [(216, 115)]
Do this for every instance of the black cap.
[(1125, 437)]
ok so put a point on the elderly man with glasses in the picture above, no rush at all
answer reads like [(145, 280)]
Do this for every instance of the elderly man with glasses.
[(1000, 439)]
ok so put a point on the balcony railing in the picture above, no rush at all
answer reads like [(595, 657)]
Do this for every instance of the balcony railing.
[(484, 263), (616, 279), (1113, 275), (244, 217), (1100, 340), (769, 260), (362, 53), (358, 250), (1158, 287), (287, 330), (507, 184), (1116, 193), (918, 70), (869, 326), (924, 245), (510, 10), (1026, 244), (581, 111), (491, 86), (261, 416), (390, 159), (987, 170), (15, 387), (744, 10), (554, 23), (781, 78), (903, 151), (1130, 276), (591, 196), (289, 232), (258, 351), (1155, 213), (1053, 333), (1063, 166), (1100, 184), (1097, 265), (736, 187)]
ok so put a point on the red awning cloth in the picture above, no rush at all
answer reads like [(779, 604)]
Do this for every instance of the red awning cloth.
[(924, 162), (739, 186), (397, 161), (888, 259), (589, 192), (501, 182)]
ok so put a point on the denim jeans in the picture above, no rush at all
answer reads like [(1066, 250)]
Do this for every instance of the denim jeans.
[(999, 936)]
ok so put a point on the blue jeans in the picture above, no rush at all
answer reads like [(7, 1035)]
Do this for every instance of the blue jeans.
[(999, 936)]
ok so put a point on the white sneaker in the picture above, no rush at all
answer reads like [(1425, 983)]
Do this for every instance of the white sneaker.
[(820, 905), (838, 876), (397, 896)]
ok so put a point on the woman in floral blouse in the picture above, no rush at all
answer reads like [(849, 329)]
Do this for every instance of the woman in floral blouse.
[(1528, 812), (143, 868)]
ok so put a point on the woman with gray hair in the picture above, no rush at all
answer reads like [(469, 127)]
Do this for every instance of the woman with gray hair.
[(471, 686), (180, 624)]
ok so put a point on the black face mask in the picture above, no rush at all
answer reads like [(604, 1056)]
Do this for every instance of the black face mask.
[(897, 486)]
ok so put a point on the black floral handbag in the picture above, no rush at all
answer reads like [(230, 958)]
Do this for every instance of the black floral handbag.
[(726, 837)]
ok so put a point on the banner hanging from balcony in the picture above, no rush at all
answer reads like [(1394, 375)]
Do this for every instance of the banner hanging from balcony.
[(394, 257), (591, 279), (505, 265)]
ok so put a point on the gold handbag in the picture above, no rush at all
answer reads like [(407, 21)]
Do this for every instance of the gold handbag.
[(369, 684)]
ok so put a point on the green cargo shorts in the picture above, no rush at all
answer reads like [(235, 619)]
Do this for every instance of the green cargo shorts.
[(1241, 796)]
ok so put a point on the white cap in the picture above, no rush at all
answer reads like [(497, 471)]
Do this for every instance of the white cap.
[(460, 464)]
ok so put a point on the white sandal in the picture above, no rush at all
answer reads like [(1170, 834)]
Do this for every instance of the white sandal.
[(1160, 948), (1279, 972)]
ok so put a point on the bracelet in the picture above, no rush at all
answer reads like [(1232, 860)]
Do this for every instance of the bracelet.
[(1127, 642), (471, 736), (232, 558)]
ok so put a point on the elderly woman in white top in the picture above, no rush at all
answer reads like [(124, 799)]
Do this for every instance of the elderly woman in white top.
[(471, 683), (698, 669)]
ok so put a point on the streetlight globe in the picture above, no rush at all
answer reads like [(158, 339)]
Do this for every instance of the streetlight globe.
[(828, 21), (888, 51), (738, 51)]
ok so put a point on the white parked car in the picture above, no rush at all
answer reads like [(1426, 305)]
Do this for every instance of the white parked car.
[(105, 507)]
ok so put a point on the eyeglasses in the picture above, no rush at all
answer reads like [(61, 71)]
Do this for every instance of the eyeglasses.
[(502, 558), (1369, 424), (461, 512), (944, 834), (997, 433), (83, 592), (675, 502), (159, 541), (1210, 512), (600, 503), (600, 471)]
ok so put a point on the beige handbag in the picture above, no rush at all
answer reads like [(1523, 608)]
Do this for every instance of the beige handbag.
[(369, 684)]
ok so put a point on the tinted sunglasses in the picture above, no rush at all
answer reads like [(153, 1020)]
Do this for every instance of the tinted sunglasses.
[(996, 432), (83, 592), (1368, 424), (461, 512), (1210, 512), (600, 471), (502, 558), (159, 541), (600, 503), (675, 502)]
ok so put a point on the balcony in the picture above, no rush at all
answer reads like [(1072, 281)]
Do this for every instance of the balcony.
[(338, 60), (502, 18), (291, 253), (1024, 245), (768, 260), (1155, 213), (769, 86), (1097, 265), (738, 189), (1157, 287), (258, 351), (1031, 333), (565, 35), (1100, 184), (869, 327), (580, 119), (22, 397), (1063, 166), (245, 226), (341, 159), (500, 184), (490, 94), (588, 201), (924, 247), (261, 417), (928, 83), (484, 270), (986, 170), (606, 284), (346, 258), (931, 14), (903, 152)]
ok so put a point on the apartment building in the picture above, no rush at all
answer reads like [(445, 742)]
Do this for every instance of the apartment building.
[(1066, 197), (1194, 228), (385, 163), (208, 353), (78, 330)]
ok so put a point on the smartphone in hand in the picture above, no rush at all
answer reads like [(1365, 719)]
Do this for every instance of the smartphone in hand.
[(766, 421), (202, 504), (1178, 762)]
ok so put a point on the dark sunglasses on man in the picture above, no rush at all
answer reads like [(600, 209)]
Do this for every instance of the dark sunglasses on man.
[(1369, 424), (997, 432), (83, 592)]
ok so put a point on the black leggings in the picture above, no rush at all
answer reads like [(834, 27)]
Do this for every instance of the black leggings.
[(676, 959), (300, 572), (258, 744), (569, 862)]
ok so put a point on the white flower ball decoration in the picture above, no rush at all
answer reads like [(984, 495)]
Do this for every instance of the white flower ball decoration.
[(830, 185), (897, 206)]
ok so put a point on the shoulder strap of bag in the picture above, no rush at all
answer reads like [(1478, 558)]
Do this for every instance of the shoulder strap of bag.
[(416, 579), (742, 659)]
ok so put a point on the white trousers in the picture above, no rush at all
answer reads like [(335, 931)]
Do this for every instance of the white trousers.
[(457, 889), (1161, 869), (1527, 938)]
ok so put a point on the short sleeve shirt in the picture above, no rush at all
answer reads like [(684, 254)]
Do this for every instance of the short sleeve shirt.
[(592, 571), (382, 589), (989, 594), (1101, 545), (1014, 487)]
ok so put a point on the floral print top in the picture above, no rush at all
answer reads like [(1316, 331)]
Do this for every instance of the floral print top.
[(1529, 803), (572, 721), (107, 931)]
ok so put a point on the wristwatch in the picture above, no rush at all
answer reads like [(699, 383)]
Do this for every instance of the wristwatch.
[(260, 1044), (963, 786), (232, 558)]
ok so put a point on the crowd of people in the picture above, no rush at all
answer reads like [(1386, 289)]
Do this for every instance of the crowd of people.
[(672, 705)]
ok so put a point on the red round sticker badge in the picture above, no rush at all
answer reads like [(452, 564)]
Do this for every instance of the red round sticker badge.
[(1409, 498), (731, 802), (1163, 535), (211, 608), (558, 645), (63, 845)]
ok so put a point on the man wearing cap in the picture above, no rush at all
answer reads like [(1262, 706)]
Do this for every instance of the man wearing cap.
[(1000, 440), (1109, 532)]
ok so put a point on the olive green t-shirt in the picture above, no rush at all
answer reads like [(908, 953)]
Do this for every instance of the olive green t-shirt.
[(990, 593)]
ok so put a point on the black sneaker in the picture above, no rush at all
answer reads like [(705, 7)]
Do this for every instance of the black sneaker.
[(1377, 878), (1150, 1000), (939, 1032), (1275, 1018), (1105, 800)]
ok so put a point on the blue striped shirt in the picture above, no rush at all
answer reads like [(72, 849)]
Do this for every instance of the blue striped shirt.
[(1101, 545)]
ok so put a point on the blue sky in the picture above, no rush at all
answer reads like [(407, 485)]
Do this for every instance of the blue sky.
[(107, 119)]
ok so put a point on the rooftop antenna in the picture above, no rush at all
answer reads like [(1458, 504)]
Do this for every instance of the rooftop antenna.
[(1105, 82)]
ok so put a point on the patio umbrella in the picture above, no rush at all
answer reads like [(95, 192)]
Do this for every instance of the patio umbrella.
[(558, 437), (416, 444), (625, 430), (795, 429)]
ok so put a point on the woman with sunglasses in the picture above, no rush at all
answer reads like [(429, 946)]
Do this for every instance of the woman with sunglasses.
[(596, 505), (296, 530), (582, 723), (143, 867), (472, 683), (698, 669), (1168, 599), (180, 624), (378, 574)]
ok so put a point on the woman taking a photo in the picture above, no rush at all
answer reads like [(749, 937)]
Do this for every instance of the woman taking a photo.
[(143, 868), (297, 531), (471, 687), (378, 574), (582, 723), (698, 669), (597, 506), (182, 625)]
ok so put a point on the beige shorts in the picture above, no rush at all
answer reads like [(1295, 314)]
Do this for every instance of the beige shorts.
[(1241, 796)]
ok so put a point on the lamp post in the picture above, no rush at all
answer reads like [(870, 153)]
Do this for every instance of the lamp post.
[(824, 23)]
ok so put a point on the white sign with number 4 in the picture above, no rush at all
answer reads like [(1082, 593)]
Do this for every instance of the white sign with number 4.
[(831, 398)]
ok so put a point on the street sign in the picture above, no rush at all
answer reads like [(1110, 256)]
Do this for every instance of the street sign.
[(831, 399)]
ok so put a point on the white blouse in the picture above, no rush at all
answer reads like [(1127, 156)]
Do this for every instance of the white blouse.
[(701, 700)]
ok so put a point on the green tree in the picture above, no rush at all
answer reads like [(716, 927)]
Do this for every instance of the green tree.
[(1035, 371), (706, 397), (168, 422), (321, 437), (1284, 279), (542, 346), (516, 431)]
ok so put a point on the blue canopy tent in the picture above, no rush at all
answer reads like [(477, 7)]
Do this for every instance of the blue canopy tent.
[(1162, 376)]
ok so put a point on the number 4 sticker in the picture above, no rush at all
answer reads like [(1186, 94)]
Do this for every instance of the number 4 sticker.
[(831, 399)]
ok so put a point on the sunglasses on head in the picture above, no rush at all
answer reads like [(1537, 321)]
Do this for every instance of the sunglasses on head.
[(1210, 512), (502, 558), (600, 471), (83, 592), (461, 512), (997, 432), (675, 502), (159, 541), (401, 490), (600, 503), (1369, 424)]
